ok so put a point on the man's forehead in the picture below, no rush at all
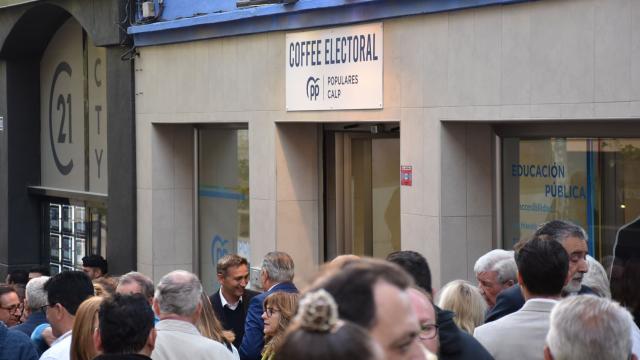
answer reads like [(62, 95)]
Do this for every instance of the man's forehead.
[(131, 287), (9, 298), (487, 275), (419, 301), (573, 244), (236, 270)]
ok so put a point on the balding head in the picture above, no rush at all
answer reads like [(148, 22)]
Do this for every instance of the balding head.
[(178, 293)]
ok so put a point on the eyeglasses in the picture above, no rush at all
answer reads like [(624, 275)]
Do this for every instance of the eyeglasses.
[(428, 331), (45, 307), (270, 311), (12, 309)]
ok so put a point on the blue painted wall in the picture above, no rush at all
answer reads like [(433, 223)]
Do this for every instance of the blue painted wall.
[(189, 20)]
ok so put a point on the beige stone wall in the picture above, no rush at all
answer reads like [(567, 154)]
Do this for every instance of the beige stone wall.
[(547, 60)]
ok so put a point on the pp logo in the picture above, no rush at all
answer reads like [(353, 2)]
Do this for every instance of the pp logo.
[(313, 88)]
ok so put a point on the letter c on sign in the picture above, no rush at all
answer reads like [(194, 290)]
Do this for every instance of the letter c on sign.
[(64, 169)]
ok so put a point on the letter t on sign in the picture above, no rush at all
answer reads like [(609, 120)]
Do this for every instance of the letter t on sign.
[(1, 123)]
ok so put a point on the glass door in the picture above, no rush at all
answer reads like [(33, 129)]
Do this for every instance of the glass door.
[(223, 198), (362, 194)]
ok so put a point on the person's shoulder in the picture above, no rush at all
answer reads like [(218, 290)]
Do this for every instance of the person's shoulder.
[(286, 287), (250, 294), (215, 348), (471, 346)]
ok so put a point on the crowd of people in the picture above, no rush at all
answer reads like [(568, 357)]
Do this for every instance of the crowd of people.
[(529, 303)]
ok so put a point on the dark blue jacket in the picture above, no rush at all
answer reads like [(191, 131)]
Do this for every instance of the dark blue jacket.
[(511, 300), (15, 345), (35, 319), (253, 340)]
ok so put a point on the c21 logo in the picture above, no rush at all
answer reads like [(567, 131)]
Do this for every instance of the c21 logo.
[(313, 88), (61, 103)]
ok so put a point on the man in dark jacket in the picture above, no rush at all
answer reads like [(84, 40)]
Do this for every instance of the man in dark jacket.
[(35, 300), (231, 302), (126, 329), (277, 275), (454, 343), (15, 345), (574, 240)]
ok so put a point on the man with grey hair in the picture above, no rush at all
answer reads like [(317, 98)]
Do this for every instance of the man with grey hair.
[(35, 299), (134, 282), (495, 271), (276, 275), (588, 327), (177, 304), (574, 240)]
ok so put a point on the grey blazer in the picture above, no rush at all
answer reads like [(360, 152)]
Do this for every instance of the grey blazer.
[(519, 335)]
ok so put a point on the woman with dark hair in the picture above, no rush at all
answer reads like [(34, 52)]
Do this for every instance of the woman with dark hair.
[(318, 334), (279, 309)]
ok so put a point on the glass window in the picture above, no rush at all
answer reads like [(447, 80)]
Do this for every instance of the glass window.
[(594, 182), (223, 198), (74, 231)]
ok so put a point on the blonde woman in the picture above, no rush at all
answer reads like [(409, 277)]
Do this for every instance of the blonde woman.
[(466, 302), (86, 321), (209, 326), (279, 310)]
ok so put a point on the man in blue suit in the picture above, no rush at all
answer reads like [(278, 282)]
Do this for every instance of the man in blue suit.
[(277, 275)]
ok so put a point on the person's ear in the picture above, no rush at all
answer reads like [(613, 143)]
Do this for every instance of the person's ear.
[(151, 339), (156, 307), (97, 340), (547, 353), (198, 312), (220, 278), (519, 278)]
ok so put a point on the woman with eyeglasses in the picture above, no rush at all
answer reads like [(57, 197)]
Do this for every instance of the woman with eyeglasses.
[(279, 309)]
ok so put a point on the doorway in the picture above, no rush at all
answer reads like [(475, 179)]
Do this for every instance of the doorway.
[(362, 191)]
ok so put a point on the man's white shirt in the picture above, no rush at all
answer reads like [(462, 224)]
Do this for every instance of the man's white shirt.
[(60, 349)]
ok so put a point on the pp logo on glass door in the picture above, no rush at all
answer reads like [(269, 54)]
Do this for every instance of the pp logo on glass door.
[(313, 88)]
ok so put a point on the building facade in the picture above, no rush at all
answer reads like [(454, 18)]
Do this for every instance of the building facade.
[(472, 126), (67, 138)]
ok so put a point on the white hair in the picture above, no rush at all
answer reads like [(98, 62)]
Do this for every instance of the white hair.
[(596, 278), (279, 266), (587, 327), (500, 261), (35, 294), (178, 293)]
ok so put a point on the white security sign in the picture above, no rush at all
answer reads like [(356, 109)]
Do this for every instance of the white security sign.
[(335, 69)]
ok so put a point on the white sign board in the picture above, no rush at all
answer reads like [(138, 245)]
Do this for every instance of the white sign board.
[(335, 69), (70, 160)]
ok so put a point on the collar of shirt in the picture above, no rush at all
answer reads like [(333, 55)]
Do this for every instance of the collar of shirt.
[(274, 285), (61, 338), (224, 301)]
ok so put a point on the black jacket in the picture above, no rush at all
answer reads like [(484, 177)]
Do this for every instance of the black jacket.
[(238, 329), (455, 344)]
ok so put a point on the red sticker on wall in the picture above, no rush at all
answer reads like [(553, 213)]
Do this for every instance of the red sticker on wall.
[(406, 175)]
